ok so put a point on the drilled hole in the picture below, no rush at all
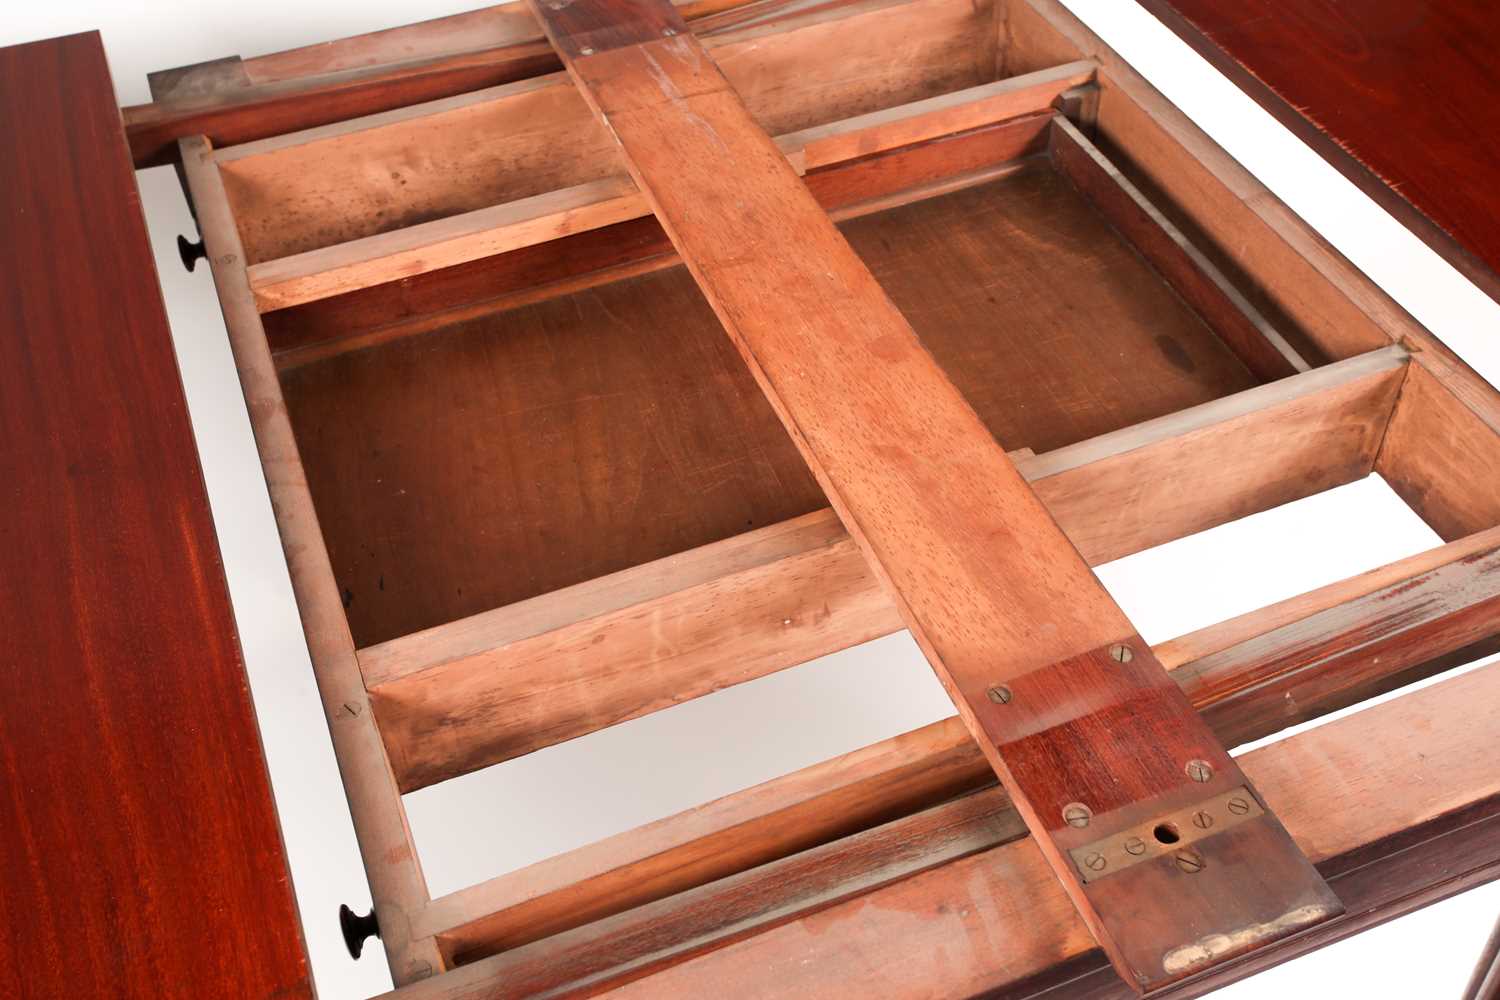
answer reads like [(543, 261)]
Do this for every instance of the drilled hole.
[(1166, 833)]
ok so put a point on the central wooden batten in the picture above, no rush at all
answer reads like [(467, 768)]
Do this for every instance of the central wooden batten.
[(1168, 853)]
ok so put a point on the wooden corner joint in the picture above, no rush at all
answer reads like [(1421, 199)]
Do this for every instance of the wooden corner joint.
[(1172, 857)]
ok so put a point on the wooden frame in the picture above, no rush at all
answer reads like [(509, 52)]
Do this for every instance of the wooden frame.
[(1341, 384)]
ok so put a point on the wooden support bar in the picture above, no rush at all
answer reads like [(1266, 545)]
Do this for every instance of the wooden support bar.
[(1250, 676), (1419, 825), (1249, 334), (806, 63), (236, 100), (920, 121), (396, 883), (412, 306), (430, 246), (488, 688), (1029, 645), (792, 813), (634, 941)]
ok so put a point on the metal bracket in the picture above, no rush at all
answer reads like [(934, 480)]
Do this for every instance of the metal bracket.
[(1173, 833)]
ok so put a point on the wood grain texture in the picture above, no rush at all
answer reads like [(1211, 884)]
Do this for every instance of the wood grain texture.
[(490, 27), (794, 812), (1320, 301), (989, 587), (1443, 457), (581, 29), (447, 466), (438, 299), (1357, 649), (484, 689), (1289, 272), (272, 109), (946, 114), (632, 943), (430, 246), (142, 854), (1420, 826), (357, 178), (396, 884), (1030, 303), (457, 239), (1257, 343), (236, 100), (1346, 78), (1419, 582), (1250, 675)]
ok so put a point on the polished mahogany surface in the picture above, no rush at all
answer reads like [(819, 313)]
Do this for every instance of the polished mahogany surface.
[(1401, 95), (141, 855)]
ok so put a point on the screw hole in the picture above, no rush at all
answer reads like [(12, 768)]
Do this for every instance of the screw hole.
[(1166, 833)]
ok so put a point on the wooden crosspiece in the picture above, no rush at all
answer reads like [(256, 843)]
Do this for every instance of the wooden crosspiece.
[(1169, 855)]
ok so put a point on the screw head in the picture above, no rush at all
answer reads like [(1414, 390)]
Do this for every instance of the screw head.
[(1121, 653), (1077, 814), (1136, 846), (1000, 694), (585, 51), (1189, 861), (1095, 862), (1238, 806), (1199, 770), (1202, 820)]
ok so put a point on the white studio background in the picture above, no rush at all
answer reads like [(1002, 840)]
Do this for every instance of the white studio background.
[(494, 822)]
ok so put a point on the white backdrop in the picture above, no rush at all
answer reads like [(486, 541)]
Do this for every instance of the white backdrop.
[(493, 822)]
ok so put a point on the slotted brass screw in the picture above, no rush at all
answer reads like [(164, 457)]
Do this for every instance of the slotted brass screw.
[(1077, 814), (1000, 694), (1121, 653), (1238, 806), (1136, 846), (1189, 861), (1199, 770), (1095, 862), (1202, 820)]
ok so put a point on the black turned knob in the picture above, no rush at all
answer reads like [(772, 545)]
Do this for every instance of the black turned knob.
[(357, 929), (191, 253)]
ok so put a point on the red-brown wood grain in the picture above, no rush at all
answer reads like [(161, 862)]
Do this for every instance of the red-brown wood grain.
[(254, 112), (421, 302), (583, 28), (990, 588), (1400, 95), (141, 855)]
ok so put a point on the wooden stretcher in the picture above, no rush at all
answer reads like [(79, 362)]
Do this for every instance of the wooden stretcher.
[(603, 354)]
